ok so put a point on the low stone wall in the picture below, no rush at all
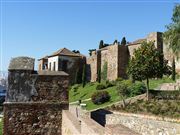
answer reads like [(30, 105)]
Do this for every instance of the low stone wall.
[(71, 125), (144, 124)]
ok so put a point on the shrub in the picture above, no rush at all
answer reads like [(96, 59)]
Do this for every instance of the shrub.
[(165, 95), (100, 97), (119, 79), (109, 84), (137, 88), (123, 88), (100, 87)]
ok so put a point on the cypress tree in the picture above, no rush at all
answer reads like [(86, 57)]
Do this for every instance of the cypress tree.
[(101, 44), (115, 41), (123, 41), (84, 75), (173, 70), (99, 75)]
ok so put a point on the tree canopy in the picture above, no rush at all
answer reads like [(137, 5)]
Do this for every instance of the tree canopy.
[(172, 35), (101, 44), (147, 62), (123, 41)]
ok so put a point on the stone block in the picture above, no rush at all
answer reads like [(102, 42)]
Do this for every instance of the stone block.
[(21, 63)]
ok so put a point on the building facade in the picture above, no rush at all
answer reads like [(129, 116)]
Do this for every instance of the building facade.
[(63, 60)]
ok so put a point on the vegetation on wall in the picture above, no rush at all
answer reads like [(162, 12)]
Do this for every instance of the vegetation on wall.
[(146, 63), (104, 71), (84, 75), (99, 76)]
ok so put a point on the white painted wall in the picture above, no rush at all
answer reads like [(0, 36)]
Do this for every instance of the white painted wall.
[(52, 60)]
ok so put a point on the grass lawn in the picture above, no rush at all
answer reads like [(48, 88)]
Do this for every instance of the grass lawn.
[(90, 88), (154, 83), (1, 127), (87, 91)]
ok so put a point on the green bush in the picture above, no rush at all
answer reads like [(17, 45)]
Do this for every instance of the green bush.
[(119, 79), (109, 84), (100, 87), (137, 88), (100, 97), (123, 88), (165, 95)]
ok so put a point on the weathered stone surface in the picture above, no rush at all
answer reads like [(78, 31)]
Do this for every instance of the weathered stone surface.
[(145, 125), (34, 102), (51, 73), (33, 118), (22, 63), (51, 88), (21, 86)]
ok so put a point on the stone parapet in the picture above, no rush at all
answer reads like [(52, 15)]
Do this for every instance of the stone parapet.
[(34, 101)]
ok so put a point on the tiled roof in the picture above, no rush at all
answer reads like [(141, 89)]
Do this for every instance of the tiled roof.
[(63, 52)]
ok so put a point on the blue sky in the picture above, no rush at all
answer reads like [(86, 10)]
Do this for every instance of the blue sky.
[(39, 28)]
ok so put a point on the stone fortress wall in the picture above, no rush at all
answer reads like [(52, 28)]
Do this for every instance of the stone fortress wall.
[(34, 101), (117, 57)]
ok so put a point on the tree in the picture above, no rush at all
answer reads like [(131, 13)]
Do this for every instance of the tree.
[(78, 77), (115, 41), (76, 51), (173, 70), (123, 90), (99, 75), (101, 44), (172, 35), (84, 75), (123, 41), (147, 63), (90, 51)]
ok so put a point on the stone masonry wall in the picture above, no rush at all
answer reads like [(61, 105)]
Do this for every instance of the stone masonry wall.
[(145, 125), (123, 59), (112, 73), (34, 101), (92, 68)]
